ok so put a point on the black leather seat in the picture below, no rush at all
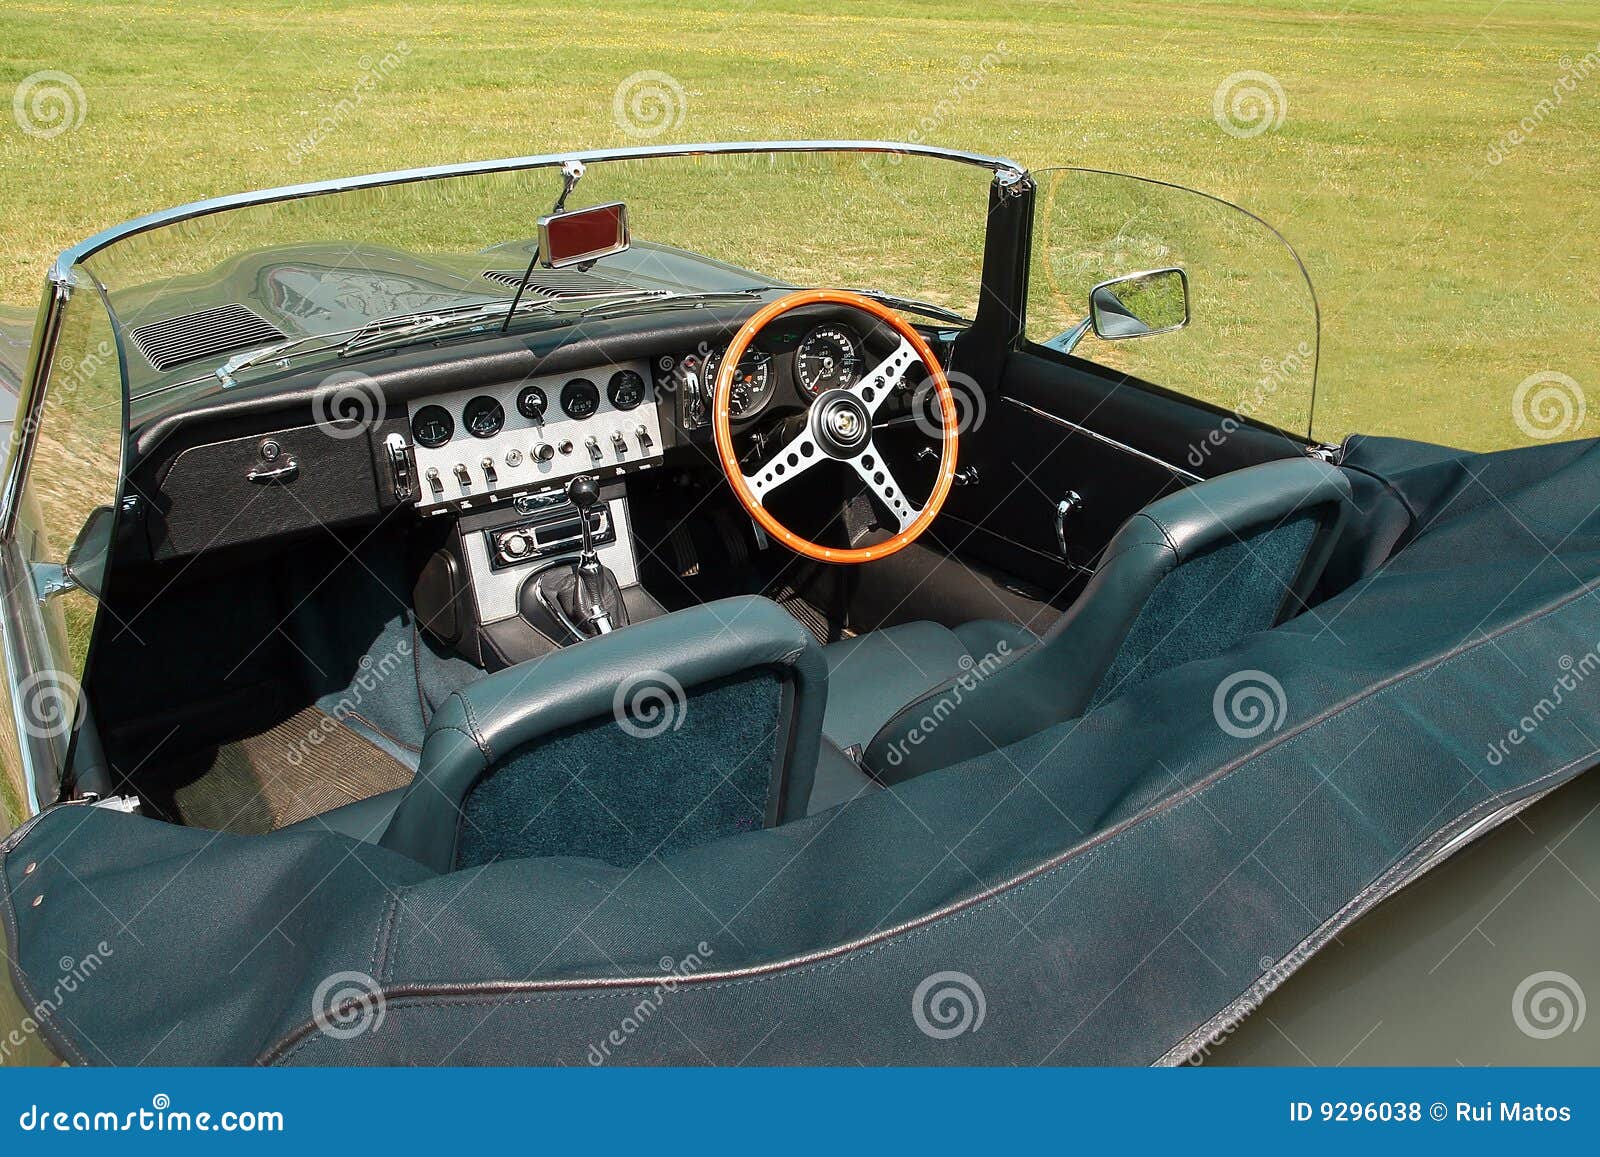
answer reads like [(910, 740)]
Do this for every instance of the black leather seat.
[(1184, 579)]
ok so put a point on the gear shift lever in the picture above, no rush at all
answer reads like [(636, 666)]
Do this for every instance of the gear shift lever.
[(583, 492)]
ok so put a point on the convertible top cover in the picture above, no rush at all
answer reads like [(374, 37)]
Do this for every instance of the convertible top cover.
[(1116, 886)]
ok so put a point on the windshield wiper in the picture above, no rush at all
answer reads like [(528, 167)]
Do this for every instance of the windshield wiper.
[(913, 305), (669, 298)]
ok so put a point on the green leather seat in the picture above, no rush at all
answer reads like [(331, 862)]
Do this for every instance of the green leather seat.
[(1184, 579)]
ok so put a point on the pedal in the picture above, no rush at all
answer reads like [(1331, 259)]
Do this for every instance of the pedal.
[(685, 559)]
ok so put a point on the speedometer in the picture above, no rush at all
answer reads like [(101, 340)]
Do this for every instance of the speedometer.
[(752, 381), (828, 359)]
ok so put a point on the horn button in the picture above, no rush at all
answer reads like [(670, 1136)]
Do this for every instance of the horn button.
[(840, 424)]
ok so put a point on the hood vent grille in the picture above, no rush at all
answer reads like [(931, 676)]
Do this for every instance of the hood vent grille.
[(206, 334), (558, 283)]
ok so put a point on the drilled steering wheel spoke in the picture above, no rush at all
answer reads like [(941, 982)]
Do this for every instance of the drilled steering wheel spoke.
[(874, 389), (790, 462), (881, 481)]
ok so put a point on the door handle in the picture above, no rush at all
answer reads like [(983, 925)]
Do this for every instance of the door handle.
[(1070, 501)]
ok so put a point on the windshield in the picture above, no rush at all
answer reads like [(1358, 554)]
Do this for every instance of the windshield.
[(308, 278)]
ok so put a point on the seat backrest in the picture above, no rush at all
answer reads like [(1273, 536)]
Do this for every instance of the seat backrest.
[(1182, 580), (655, 737)]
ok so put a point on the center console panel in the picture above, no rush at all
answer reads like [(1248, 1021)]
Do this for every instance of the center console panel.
[(533, 435)]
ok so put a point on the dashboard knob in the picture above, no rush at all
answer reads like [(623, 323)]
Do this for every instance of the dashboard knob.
[(543, 452), (462, 476), (643, 434), (516, 545), (593, 444)]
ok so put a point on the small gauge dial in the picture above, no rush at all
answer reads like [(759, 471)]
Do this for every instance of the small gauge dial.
[(625, 390), (752, 381), (483, 417), (432, 427), (580, 398), (531, 403), (828, 358)]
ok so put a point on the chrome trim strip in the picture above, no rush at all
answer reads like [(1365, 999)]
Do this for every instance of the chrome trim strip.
[(30, 408), (1187, 475), (99, 241)]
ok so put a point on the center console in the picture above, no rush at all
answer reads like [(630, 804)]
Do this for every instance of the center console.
[(500, 461)]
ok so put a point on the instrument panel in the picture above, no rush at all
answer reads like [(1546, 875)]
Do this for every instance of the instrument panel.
[(511, 438)]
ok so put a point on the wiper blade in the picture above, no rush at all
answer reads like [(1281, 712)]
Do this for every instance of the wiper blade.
[(670, 298), (913, 305), (401, 329)]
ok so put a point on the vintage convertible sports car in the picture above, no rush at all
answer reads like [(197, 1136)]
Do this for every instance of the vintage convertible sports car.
[(552, 611)]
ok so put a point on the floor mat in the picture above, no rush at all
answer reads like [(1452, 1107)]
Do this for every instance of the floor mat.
[(308, 764), (810, 616)]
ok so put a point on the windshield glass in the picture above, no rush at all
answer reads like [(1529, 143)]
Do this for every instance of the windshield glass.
[(308, 278)]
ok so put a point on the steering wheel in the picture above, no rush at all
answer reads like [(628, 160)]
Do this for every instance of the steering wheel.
[(838, 428)]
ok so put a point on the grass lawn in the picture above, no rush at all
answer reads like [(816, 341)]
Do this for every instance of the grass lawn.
[(1446, 278)]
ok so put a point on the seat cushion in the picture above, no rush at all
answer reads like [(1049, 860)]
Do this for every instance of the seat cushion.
[(872, 676)]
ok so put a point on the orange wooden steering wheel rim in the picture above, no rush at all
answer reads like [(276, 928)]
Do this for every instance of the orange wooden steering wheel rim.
[(722, 426)]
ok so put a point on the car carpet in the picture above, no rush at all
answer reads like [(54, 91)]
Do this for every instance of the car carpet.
[(299, 768)]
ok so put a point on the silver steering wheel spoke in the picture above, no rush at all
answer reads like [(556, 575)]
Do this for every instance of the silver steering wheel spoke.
[(788, 463), (881, 481), (874, 389)]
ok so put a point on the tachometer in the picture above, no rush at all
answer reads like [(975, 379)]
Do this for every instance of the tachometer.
[(752, 381), (828, 358)]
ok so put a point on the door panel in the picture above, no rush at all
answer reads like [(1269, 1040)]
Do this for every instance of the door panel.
[(1057, 427)]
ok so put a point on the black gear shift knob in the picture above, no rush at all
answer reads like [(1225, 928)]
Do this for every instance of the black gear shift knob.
[(583, 492)]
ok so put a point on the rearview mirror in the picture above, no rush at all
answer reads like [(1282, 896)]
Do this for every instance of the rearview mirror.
[(583, 235), (1140, 304)]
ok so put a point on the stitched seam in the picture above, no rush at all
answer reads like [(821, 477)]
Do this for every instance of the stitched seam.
[(19, 977), (1083, 853), (477, 732)]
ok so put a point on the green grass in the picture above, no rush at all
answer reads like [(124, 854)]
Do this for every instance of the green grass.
[(1445, 280)]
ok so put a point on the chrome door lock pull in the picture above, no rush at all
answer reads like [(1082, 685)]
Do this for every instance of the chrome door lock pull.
[(1070, 501)]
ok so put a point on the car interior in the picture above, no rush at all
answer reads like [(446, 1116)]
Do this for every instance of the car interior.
[(839, 635)]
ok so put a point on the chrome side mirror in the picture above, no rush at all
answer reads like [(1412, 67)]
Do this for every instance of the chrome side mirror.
[(85, 565), (1136, 305), (1140, 304)]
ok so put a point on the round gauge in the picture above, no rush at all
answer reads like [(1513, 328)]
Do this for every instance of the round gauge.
[(580, 398), (531, 403), (752, 381), (626, 389), (483, 417), (827, 359), (432, 427)]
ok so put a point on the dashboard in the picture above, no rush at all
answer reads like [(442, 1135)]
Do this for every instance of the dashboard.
[(506, 439)]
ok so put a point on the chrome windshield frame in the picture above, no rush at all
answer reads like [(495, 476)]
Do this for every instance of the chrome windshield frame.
[(60, 281)]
